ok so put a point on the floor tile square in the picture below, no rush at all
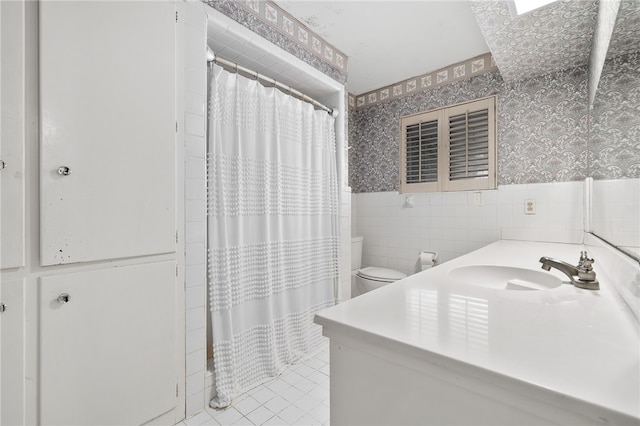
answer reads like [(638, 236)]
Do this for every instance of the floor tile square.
[(263, 395), (292, 377), (305, 385), (211, 422), (243, 422), (306, 403), (291, 414), (323, 356), (246, 406), (292, 394), (277, 404), (325, 385), (259, 415), (226, 417), (303, 370), (320, 413), (319, 393), (198, 419), (275, 421), (308, 421), (316, 363), (278, 386), (318, 377)]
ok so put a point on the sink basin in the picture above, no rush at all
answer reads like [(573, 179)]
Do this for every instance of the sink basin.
[(505, 277)]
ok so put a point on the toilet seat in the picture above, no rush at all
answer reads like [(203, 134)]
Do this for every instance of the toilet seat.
[(383, 275)]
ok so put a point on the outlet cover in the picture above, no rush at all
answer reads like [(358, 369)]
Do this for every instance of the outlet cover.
[(529, 206)]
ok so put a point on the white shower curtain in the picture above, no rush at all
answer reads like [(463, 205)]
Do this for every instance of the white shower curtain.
[(272, 229)]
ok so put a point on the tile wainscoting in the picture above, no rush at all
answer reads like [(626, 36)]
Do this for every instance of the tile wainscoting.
[(456, 223)]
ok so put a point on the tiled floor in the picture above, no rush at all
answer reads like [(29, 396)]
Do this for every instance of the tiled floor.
[(299, 396)]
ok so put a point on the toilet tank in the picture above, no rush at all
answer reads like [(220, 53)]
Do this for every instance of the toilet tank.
[(356, 252)]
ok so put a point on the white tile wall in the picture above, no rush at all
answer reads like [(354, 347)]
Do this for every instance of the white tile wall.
[(195, 205), (456, 223), (344, 291), (615, 211)]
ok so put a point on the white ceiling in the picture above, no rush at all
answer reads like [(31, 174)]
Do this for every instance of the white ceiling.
[(390, 41)]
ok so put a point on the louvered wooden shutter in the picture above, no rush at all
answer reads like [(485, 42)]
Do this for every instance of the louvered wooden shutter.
[(419, 152), (471, 146), (449, 149), (422, 152)]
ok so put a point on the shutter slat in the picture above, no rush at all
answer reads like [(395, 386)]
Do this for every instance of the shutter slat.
[(469, 145), (421, 162)]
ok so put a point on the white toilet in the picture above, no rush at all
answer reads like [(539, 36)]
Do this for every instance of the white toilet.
[(370, 278)]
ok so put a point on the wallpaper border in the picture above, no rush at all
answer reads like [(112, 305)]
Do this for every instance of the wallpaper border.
[(289, 26), (478, 65)]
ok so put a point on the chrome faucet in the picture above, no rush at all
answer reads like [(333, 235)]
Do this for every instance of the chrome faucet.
[(584, 271)]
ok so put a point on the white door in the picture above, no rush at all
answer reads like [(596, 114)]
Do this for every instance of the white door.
[(107, 345), (12, 134), (108, 126)]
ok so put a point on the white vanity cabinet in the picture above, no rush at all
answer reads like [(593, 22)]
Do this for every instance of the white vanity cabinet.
[(438, 349), (108, 127)]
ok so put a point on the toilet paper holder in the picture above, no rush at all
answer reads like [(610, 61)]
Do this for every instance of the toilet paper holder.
[(426, 260)]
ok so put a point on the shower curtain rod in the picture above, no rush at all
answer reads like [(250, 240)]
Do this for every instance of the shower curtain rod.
[(213, 58)]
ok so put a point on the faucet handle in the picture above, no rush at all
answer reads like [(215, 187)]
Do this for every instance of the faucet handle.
[(585, 263), (583, 256), (586, 274)]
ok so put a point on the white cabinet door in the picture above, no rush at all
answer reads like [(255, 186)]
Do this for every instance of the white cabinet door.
[(12, 127), (107, 105), (11, 352), (107, 356)]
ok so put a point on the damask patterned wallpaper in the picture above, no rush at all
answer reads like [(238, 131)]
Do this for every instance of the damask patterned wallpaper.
[(615, 128), (542, 129), (552, 38), (626, 34)]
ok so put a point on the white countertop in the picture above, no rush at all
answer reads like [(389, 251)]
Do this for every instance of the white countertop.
[(580, 343)]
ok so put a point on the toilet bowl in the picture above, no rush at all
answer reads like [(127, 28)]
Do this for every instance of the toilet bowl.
[(373, 277), (369, 278)]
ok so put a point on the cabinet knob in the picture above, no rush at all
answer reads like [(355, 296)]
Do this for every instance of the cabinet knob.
[(3, 307), (64, 298), (64, 171), (2, 164)]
